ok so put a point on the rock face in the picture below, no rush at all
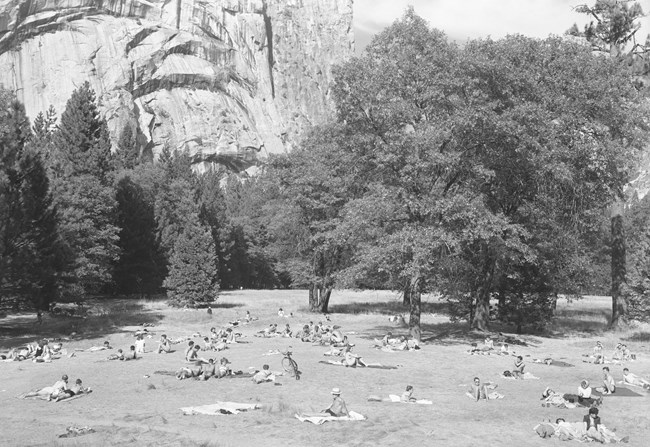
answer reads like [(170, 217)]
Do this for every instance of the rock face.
[(233, 80)]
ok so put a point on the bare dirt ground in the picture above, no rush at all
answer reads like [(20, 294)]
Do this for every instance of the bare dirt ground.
[(132, 406)]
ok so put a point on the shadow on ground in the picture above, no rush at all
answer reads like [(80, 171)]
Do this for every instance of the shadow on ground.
[(385, 308), (16, 330), (450, 334)]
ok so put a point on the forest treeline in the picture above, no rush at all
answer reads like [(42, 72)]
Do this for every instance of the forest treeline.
[(483, 172)]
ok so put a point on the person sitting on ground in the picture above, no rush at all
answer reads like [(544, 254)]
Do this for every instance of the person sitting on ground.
[(412, 343), (139, 344), (209, 310), (407, 396), (189, 350), (304, 334), (583, 398), (164, 345), (265, 375), (518, 371), (194, 355), (132, 355), (207, 344), (117, 356), (213, 334), (287, 331), (337, 335), (351, 360), (609, 385), (337, 408), (634, 380), (208, 370), (231, 336), (42, 353), (343, 343), (504, 349), (223, 369), (280, 313), (479, 391), (591, 421), (598, 349)]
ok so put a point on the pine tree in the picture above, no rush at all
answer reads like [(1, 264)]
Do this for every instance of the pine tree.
[(81, 143), (141, 266), (128, 151), (82, 167), (192, 277), (40, 258)]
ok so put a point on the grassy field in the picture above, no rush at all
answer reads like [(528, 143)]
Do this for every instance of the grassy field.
[(132, 406)]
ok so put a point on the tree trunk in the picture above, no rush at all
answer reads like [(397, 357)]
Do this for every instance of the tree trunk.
[(313, 297), (406, 301), (415, 293), (619, 301), (481, 319), (325, 300), (501, 307)]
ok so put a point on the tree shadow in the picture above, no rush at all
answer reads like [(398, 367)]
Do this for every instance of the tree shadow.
[(386, 308), (638, 336), (450, 334), (17, 330)]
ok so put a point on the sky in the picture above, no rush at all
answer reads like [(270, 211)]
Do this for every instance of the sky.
[(468, 19)]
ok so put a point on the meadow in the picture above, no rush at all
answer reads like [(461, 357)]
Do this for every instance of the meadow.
[(132, 406)]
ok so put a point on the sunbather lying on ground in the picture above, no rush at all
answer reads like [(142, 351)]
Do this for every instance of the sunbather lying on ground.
[(49, 392), (552, 398), (633, 379), (265, 375), (486, 349), (483, 391), (567, 431), (75, 390), (406, 396), (105, 346), (583, 398), (271, 331), (187, 372), (117, 356)]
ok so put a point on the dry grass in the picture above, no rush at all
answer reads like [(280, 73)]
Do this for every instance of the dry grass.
[(128, 408)]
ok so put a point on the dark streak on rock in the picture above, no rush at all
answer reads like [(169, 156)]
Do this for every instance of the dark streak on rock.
[(269, 45)]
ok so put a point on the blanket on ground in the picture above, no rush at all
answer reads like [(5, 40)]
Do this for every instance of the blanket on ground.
[(220, 408), (369, 365), (620, 392), (320, 418), (395, 398)]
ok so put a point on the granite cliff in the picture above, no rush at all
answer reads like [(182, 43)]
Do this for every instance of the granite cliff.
[(233, 80)]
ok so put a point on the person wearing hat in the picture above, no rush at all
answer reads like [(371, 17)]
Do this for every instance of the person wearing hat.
[(337, 408)]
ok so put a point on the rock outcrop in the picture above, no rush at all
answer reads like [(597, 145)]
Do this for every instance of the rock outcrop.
[(232, 79)]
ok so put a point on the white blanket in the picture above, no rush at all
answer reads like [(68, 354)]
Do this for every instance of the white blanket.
[(396, 398), (220, 408), (321, 419)]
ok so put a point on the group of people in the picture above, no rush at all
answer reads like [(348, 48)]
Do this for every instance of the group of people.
[(39, 352)]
